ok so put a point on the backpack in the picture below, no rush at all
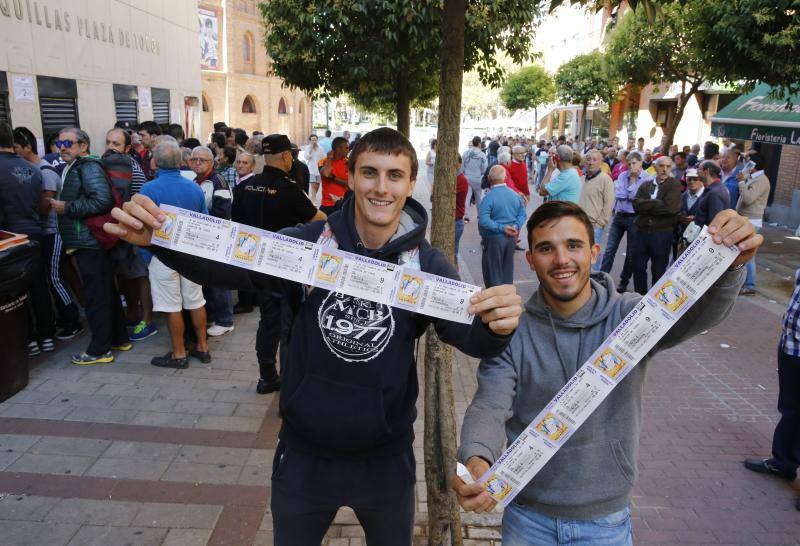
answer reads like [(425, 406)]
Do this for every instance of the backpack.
[(95, 223)]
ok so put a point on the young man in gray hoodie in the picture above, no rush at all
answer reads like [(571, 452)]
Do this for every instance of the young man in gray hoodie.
[(585, 489)]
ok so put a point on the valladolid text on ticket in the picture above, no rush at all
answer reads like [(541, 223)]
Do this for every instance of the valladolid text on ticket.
[(314, 265), (671, 296)]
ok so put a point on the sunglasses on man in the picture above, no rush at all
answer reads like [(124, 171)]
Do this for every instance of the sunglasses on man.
[(65, 143)]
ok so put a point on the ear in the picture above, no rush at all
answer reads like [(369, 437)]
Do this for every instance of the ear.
[(595, 252)]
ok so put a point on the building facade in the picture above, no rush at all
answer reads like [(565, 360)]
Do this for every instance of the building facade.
[(94, 62), (238, 85)]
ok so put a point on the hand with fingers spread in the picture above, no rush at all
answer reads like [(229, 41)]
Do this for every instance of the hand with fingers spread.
[(473, 497), (137, 219), (730, 228), (499, 308)]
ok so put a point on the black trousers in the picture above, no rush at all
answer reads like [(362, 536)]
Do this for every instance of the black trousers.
[(307, 490), (103, 307), (273, 331), (40, 316), (653, 248), (66, 309), (786, 440)]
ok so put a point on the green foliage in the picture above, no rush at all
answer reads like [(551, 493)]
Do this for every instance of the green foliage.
[(754, 41), (586, 79), (528, 88), (373, 49)]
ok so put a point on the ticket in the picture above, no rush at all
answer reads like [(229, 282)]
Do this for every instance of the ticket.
[(645, 325), (315, 265)]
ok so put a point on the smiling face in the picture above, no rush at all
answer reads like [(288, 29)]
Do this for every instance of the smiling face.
[(381, 184), (562, 256)]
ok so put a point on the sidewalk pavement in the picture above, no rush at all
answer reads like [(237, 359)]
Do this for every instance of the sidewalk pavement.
[(131, 454)]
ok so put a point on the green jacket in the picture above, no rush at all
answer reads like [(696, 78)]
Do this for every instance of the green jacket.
[(86, 192)]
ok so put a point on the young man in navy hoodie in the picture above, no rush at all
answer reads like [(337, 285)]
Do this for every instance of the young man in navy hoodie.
[(348, 399)]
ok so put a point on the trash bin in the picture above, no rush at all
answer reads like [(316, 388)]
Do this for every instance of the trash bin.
[(16, 263)]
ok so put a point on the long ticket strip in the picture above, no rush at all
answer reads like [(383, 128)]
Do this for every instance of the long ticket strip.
[(681, 286), (314, 264)]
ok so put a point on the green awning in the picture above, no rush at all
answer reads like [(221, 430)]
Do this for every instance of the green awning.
[(758, 117)]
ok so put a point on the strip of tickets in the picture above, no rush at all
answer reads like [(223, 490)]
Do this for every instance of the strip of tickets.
[(681, 286), (314, 265)]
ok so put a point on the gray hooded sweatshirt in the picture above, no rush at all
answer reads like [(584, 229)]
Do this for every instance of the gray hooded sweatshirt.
[(592, 475)]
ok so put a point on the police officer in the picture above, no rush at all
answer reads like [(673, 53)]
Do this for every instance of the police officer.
[(272, 201)]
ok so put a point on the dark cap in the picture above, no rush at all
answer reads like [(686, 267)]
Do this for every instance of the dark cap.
[(275, 144), (126, 125)]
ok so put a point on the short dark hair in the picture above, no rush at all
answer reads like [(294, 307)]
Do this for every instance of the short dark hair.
[(218, 126), (26, 139), (190, 143), (338, 140), (240, 137), (230, 154), (710, 149), (384, 141), (711, 166), (553, 210), (150, 126), (476, 141), (126, 136), (176, 131), (218, 139), (6, 136), (758, 159), (327, 132), (679, 154)]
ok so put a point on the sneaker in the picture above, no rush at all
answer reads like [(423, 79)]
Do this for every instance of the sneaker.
[(124, 346), (202, 356), (69, 332), (48, 345), (85, 359), (33, 348), (265, 386), (747, 291), (167, 361), (768, 466), (219, 330), (143, 330)]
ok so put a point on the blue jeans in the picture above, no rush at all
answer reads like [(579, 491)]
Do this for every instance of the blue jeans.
[(497, 261), (459, 233), (599, 233), (750, 268), (219, 305), (522, 526), (620, 225)]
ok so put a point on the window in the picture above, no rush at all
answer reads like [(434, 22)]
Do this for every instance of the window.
[(247, 47), (248, 106), (282, 106)]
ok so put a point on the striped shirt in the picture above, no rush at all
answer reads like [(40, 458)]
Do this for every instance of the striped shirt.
[(790, 339), (137, 177)]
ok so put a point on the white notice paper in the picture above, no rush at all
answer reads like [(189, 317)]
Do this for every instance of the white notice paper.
[(23, 88)]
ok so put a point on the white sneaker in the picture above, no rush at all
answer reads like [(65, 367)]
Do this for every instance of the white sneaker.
[(218, 330)]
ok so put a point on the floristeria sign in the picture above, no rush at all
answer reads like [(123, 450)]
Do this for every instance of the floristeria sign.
[(760, 118)]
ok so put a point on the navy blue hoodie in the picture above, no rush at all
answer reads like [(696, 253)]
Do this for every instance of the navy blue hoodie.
[(350, 385)]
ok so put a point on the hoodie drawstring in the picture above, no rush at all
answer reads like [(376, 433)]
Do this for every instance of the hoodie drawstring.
[(558, 351)]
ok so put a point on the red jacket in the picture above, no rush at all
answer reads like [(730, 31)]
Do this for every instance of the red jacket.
[(462, 187), (519, 176)]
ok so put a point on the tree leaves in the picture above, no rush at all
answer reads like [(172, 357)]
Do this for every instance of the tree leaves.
[(586, 79), (527, 88)]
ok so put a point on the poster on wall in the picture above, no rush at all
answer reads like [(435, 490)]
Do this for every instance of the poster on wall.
[(209, 40)]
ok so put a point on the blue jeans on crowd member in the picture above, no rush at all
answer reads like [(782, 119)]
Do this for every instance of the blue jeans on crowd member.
[(219, 305), (750, 268), (540, 175), (523, 526), (497, 261), (599, 233), (459, 233), (621, 224), (654, 248)]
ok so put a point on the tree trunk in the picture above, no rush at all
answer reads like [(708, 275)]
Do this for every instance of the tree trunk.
[(582, 123), (402, 108), (683, 100), (444, 521)]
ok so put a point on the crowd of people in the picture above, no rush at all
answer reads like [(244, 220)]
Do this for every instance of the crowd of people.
[(647, 197)]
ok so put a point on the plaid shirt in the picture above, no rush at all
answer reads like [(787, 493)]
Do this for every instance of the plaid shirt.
[(790, 340)]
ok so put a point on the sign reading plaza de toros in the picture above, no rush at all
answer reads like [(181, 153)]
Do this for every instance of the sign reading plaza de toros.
[(43, 15)]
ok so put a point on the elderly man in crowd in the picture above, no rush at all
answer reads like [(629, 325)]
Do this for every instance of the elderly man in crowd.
[(500, 217), (565, 185), (171, 292), (657, 205), (597, 199)]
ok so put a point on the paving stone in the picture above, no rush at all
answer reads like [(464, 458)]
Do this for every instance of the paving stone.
[(213, 455), (107, 375), (30, 396), (263, 538), (250, 410), (89, 535), (25, 507), (85, 400), (244, 424), (128, 390), (28, 533), (132, 469), (34, 411), (51, 464), (200, 395), (248, 396), (98, 415), (17, 442), (255, 475), (164, 419), (94, 512), (260, 457), (181, 516), (205, 372), (180, 471), (167, 382), (59, 445), (142, 451), (224, 385), (69, 387), (187, 537), (222, 409), (147, 404)]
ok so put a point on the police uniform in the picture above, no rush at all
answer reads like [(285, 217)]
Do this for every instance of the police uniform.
[(271, 201)]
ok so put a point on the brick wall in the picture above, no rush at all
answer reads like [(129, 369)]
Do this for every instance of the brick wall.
[(788, 175)]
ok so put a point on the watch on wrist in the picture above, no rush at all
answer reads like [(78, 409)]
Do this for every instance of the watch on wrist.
[(737, 268)]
